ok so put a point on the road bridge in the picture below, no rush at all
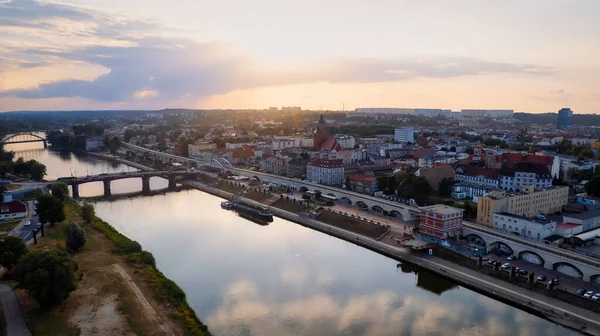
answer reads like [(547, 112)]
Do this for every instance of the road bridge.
[(23, 138), (106, 179), (219, 163), (554, 258)]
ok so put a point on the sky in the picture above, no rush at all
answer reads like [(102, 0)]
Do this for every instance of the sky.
[(526, 55)]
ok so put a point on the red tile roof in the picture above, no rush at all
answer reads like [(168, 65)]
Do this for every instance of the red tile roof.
[(421, 153), (326, 163), (358, 177), (12, 207), (517, 157)]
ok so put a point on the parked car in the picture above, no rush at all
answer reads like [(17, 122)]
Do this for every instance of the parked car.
[(505, 266), (541, 278), (27, 223), (38, 226), (491, 262), (522, 272), (497, 263), (511, 258), (35, 213), (596, 297), (588, 294), (540, 217), (581, 291)]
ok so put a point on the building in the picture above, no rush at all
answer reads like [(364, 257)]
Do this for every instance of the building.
[(441, 221), (363, 184), (296, 167), (464, 191), (326, 171), (478, 176), (511, 159), (528, 203), (587, 199), (588, 220), (291, 109), (565, 116), (346, 141), (278, 144), (201, 146), (404, 134), (516, 177), (432, 113), (13, 210), (528, 228), (274, 165), (487, 113), (94, 143), (324, 140)]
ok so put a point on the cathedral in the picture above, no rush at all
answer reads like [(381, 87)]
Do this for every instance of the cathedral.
[(324, 141)]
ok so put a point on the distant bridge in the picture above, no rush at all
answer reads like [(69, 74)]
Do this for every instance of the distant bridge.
[(23, 138), (145, 176)]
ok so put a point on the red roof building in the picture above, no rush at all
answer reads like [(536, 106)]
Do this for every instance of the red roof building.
[(323, 140), (363, 184), (12, 210)]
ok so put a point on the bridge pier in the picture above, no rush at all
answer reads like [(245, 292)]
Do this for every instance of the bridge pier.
[(107, 192), (145, 184), (75, 188), (172, 183), (45, 144)]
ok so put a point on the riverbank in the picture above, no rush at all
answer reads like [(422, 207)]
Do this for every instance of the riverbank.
[(548, 308), (121, 290)]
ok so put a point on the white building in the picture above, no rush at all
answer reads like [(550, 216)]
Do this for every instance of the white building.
[(346, 141), (478, 176), (278, 144), (326, 171), (432, 113), (525, 174), (404, 134), (93, 144), (524, 227), (487, 113)]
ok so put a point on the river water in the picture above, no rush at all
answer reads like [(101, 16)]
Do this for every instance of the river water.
[(283, 279)]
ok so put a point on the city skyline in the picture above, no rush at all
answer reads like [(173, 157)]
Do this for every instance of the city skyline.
[(93, 54)]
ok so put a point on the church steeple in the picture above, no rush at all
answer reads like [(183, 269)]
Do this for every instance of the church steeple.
[(321, 120)]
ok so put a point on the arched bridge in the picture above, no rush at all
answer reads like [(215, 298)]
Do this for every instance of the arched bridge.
[(220, 163), (23, 138), (567, 262), (145, 176)]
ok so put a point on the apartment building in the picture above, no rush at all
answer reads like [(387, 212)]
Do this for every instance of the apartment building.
[(325, 171), (528, 203), (346, 141), (478, 176), (522, 174)]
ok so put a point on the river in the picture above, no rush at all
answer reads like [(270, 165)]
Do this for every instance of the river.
[(283, 279)]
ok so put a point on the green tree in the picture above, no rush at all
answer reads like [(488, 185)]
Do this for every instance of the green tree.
[(2, 189), (48, 276), (113, 145), (50, 209), (565, 146), (75, 237), (88, 212), (128, 135), (32, 169), (453, 148), (593, 186), (60, 190), (445, 186), (11, 250)]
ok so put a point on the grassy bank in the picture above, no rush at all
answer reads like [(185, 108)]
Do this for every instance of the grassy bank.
[(165, 290)]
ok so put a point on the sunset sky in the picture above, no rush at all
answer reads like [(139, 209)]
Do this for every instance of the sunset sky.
[(526, 55)]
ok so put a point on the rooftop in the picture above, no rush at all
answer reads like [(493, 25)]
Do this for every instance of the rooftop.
[(442, 209), (12, 207), (567, 226), (534, 220), (584, 215), (326, 163)]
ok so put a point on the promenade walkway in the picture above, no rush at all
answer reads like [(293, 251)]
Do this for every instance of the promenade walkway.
[(13, 316)]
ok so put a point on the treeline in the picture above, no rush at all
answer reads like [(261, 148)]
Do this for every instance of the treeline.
[(31, 169)]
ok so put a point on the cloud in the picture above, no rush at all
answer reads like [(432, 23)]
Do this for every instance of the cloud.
[(142, 61)]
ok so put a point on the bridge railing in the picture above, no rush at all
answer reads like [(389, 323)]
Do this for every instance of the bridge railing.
[(542, 247)]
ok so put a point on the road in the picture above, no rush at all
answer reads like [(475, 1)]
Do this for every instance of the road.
[(24, 231), (15, 322)]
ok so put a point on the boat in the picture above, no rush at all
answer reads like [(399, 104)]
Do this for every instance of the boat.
[(240, 205), (254, 218)]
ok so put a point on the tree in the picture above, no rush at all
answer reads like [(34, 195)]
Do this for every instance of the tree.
[(88, 212), (304, 155), (75, 237), (128, 135), (114, 144), (445, 186), (48, 276), (31, 168), (11, 250), (50, 209), (565, 146), (60, 190), (593, 186), (453, 148), (2, 189)]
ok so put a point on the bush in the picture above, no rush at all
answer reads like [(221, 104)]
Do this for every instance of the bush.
[(142, 258), (87, 212), (11, 250), (75, 237)]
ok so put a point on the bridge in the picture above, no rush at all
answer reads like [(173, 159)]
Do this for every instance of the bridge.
[(106, 179), (567, 262), (219, 163), (23, 138)]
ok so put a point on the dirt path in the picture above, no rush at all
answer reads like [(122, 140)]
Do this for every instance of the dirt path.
[(146, 307), (15, 322)]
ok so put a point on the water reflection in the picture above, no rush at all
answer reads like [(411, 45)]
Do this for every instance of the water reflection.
[(428, 280)]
